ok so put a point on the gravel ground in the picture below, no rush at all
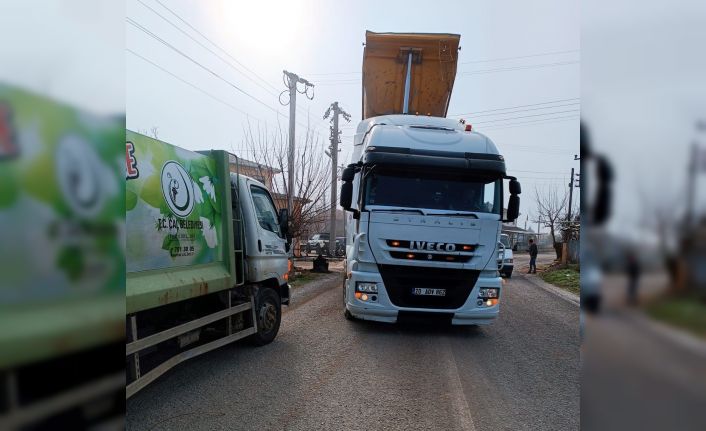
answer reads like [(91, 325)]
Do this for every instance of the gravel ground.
[(324, 372)]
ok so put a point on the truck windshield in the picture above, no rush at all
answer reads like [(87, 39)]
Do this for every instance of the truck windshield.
[(433, 190)]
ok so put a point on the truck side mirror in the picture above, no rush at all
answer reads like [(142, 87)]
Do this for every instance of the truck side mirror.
[(346, 199), (513, 208), (515, 188), (348, 174), (513, 205), (284, 221)]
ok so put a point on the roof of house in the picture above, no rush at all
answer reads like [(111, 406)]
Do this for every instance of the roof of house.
[(250, 164), (515, 229)]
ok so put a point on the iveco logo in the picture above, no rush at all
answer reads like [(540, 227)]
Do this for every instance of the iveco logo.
[(177, 188), (438, 246)]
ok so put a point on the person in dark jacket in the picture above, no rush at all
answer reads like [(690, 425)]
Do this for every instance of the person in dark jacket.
[(533, 257), (633, 271)]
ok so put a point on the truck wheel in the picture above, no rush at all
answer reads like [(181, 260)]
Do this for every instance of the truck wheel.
[(346, 313), (268, 310)]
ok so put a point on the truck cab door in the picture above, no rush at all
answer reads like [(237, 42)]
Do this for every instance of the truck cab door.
[(269, 256)]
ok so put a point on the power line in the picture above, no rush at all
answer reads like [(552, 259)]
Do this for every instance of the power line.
[(524, 116), (526, 110), (164, 42), (255, 74), (539, 172), (534, 122), (348, 81), (207, 48), (522, 56), (215, 44), (518, 106), (464, 62), (508, 69), (177, 50), (193, 85)]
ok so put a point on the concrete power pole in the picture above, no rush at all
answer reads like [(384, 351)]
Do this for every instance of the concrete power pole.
[(335, 140), (571, 195), (291, 80)]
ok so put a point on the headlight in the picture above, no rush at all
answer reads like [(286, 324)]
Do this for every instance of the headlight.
[(366, 287), (488, 292), (508, 260)]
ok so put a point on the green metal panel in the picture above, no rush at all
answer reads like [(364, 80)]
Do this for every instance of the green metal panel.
[(160, 272), (62, 211), (34, 332)]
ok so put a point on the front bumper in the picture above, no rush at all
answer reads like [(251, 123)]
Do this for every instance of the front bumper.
[(383, 310)]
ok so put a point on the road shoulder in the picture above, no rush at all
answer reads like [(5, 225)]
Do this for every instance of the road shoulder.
[(561, 293)]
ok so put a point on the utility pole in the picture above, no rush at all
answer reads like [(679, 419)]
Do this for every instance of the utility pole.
[(333, 154), (571, 195), (291, 80)]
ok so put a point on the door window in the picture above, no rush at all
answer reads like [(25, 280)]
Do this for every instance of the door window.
[(264, 209)]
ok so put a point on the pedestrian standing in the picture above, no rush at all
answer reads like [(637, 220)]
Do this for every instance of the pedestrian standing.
[(533, 257), (633, 270)]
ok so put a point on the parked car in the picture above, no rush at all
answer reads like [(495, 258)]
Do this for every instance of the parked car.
[(318, 244), (507, 260)]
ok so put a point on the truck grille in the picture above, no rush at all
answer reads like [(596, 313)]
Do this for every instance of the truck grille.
[(401, 280)]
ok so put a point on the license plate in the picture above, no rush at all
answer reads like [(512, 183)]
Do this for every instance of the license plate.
[(428, 292)]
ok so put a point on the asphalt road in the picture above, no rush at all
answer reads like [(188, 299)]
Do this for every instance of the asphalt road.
[(324, 372), (636, 375)]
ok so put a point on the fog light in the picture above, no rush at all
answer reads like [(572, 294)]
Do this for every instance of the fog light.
[(488, 292), (491, 302), (366, 287), (364, 297)]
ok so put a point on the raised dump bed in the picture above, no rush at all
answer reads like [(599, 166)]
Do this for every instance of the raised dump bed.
[(408, 73)]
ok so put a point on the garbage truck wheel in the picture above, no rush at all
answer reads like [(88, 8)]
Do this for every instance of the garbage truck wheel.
[(268, 309)]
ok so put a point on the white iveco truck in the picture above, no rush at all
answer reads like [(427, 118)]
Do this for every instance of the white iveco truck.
[(424, 193)]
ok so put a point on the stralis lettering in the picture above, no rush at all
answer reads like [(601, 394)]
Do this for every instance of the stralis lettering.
[(438, 246), (171, 223)]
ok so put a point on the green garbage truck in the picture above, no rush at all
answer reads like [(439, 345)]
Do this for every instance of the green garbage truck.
[(206, 257)]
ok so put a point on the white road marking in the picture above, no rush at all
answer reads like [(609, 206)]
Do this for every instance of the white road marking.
[(458, 398)]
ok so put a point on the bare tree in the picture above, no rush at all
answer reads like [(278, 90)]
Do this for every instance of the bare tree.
[(551, 208), (153, 132), (312, 173), (664, 216)]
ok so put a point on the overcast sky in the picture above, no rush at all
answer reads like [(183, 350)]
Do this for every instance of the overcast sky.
[(517, 81), (513, 54), (643, 90)]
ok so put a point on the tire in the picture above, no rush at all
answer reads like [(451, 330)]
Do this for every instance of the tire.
[(268, 309), (508, 274), (346, 313)]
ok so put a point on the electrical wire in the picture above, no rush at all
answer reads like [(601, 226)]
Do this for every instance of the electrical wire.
[(194, 86), (215, 44), (524, 116), (521, 56), (507, 69), (164, 42), (525, 110), (518, 106), (193, 28)]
